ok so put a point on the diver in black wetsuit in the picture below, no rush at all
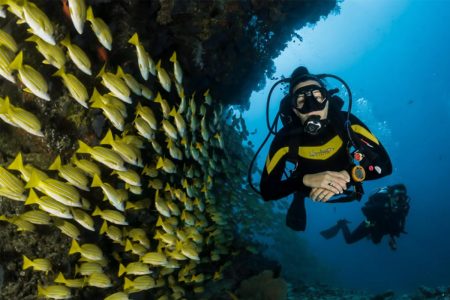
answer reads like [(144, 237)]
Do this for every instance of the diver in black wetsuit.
[(385, 212), (316, 141)]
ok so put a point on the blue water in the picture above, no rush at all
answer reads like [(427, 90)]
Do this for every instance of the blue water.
[(395, 55)]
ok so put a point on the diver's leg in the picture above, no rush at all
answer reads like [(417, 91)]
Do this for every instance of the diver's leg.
[(360, 232), (296, 215)]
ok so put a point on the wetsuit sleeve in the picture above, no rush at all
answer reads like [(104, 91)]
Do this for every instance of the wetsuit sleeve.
[(272, 184), (376, 161)]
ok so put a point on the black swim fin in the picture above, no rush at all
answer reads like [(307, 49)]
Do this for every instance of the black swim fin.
[(330, 232)]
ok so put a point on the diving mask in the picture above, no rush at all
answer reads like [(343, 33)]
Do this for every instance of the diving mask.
[(309, 98)]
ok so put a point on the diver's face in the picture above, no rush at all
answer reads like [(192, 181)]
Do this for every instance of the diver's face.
[(300, 101)]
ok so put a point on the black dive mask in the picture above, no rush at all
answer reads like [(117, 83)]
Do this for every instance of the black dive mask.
[(314, 125), (309, 98)]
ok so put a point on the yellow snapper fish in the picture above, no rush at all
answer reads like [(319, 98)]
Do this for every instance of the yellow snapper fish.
[(167, 165), (88, 268), (163, 77), (151, 65), (83, 218), (60, 191), (38, 21), (140, 283), (208, 98), (22, 225), (142, 56), (128, 153), (169, 129), (32, 79), (188, 249), (76, 88), (73, 175), (147, 114), (112, 194), (77, 55), (161, 205), (115, 102), (137, 249), (77, 9), (6, 40), (73, 283), (143, 128), (134, 268), (112, 113), (154, 258), (103, 155), (176, 68), (11, 186), (146, 92), (138, 235), (89, 251), (54, 292), (164, 105), (113, 232), (130, 177), (53, 54), (118, 296), (38, 264), (100, 29), (139, 204), (89, 167), (67, 228), (49, 205), (115, 85), (131, 82), (100, 280), (110, 215), (37, 217), (19, 117), (174, 151), (6, 58), (179, 122)]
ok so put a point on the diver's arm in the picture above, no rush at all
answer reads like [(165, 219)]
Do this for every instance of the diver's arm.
[(272, 185), (376, 161)]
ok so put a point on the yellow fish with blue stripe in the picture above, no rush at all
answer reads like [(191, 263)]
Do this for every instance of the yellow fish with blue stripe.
[(49, 205), (115, 85), (77, 9), (20, 118), (142, 56), (89, 251), (103, 155), (101, 30), (110, 193), (77, 55), (54, 292), (73, 175), (76, 88), (38, 264), (6, 58), (8, 41), (32, 79), (60, 191), (52, 53)]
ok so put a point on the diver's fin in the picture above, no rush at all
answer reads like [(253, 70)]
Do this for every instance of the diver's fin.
[(330, 232)]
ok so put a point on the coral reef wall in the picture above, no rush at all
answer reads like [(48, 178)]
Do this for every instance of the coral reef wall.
[(224, 45), (122, 170)]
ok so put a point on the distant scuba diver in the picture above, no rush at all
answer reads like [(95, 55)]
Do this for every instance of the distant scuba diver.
[(331, 149), (385, 212)]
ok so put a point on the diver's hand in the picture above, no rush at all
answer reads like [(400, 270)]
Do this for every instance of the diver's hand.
[(335, 182), (321, 194)]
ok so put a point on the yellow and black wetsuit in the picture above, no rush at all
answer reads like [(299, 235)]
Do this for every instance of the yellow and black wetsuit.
[(326, 151)]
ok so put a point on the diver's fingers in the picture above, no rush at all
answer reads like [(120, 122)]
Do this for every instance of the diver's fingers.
[(334, 184), (346, 175), (328, 196), (315, 192)]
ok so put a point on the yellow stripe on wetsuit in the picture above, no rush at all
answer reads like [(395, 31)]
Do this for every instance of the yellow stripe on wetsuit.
[(364, 132), (322, 152), (271, 163)]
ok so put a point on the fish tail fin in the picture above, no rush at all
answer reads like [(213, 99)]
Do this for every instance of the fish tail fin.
[(60, 278), (17, 163), (16, 64), (134, 40), (108, 139), (97, 211), (173, 58), (32, 198), (104, 228), (27, 263), (56, 165), (122, 270), (96, 181), (89, 14), (128, 284), (83, 148), (75, 247)]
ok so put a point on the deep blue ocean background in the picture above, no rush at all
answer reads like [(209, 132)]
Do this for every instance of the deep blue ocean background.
[(395, 55)]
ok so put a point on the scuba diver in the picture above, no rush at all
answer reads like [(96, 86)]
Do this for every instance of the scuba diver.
[(332, 150), (385, 213)]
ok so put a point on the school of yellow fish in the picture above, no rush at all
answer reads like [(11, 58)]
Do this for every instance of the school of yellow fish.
[(161, 156)]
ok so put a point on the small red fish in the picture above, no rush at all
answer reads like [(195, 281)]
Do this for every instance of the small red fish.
[(65, 8), (102, 54)]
